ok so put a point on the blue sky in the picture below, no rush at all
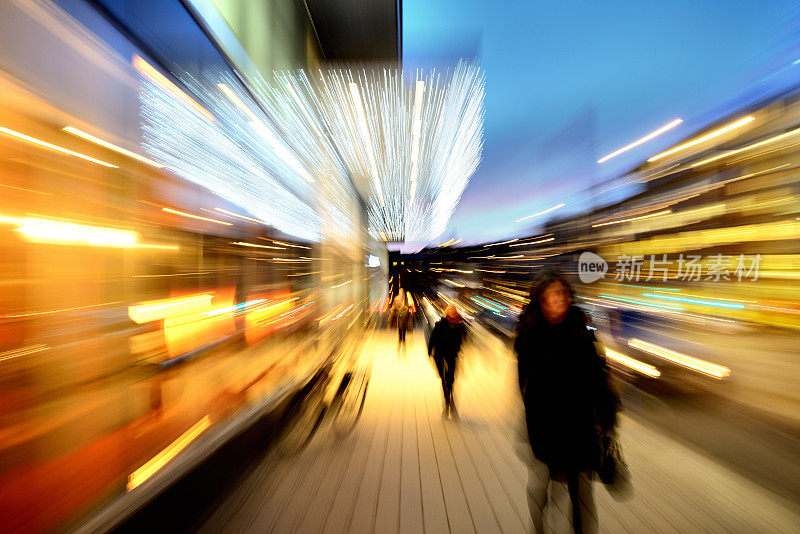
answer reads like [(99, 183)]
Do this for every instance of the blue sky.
[(568, 82)]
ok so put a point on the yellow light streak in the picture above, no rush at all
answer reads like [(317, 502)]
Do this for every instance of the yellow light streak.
[(454, 283), (198, 217), (24, 351), (226, 212), (533, 242), (548, 210), (162, 81), (57, 148), (154, 310), (502, 243), (161, 459), (716, 133), (632, 363), (111, 146), (748, 147), (290, 245), (44, 231), (641, 217), (341, 285), (696, 364), (644, 139), (254, 245)]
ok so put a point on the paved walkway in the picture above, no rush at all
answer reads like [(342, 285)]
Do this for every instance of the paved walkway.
[(404, 469)]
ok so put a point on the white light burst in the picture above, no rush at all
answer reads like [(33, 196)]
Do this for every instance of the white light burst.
[(232, 153), (299, 157), (409, 145)]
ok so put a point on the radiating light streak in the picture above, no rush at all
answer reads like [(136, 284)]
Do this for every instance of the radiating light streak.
[(161, 459), (254, 245), (367, 140), (416, 126), (450, 141), (226, 156), (341, 285), (547, 240), (696, 364), (111, 146), (61, 310), (24, 351), (56, 232), (641, 303), (155, 246), (548, 210), (632, 363), (230, 213), (641, 217), (281, 150), (640, 287), (501, 243), (237, 101), (716, 133), (51, 146), (198, 217), (237, 308), (696, 301), (456, 284), (152, 74), (748, 147), (490, 271), (154, 310), (290, 245), (644, 139), (27, 190)]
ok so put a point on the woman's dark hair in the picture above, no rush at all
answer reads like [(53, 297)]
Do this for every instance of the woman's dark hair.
[(532, 312)]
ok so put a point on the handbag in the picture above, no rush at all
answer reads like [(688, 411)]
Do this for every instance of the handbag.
[(612, 469)]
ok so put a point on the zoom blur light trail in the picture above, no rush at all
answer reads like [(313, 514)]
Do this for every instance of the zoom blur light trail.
[(643, 140), (45, 144), (716, 133), (111, 146), (641, 303), (154, 310), (632, 363), (62, 233), (696, 301), (162, 458), (690, 362), (410, 142)]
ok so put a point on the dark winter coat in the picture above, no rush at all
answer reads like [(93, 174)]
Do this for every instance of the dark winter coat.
[(564, 385), (446, 340)]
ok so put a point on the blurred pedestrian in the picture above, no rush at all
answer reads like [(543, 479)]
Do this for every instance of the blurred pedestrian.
[(400, 316), (445, 344), (568, 400)]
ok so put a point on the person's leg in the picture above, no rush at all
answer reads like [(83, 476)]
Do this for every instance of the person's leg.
[(538, 482), (588, 508), (450, 377), (573, 485), (441, 368)]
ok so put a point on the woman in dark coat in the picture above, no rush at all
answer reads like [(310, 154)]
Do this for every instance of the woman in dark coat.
[(565, 389)]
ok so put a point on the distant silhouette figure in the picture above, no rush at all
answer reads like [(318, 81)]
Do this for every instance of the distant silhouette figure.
[(400, 316), (445, 344)]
